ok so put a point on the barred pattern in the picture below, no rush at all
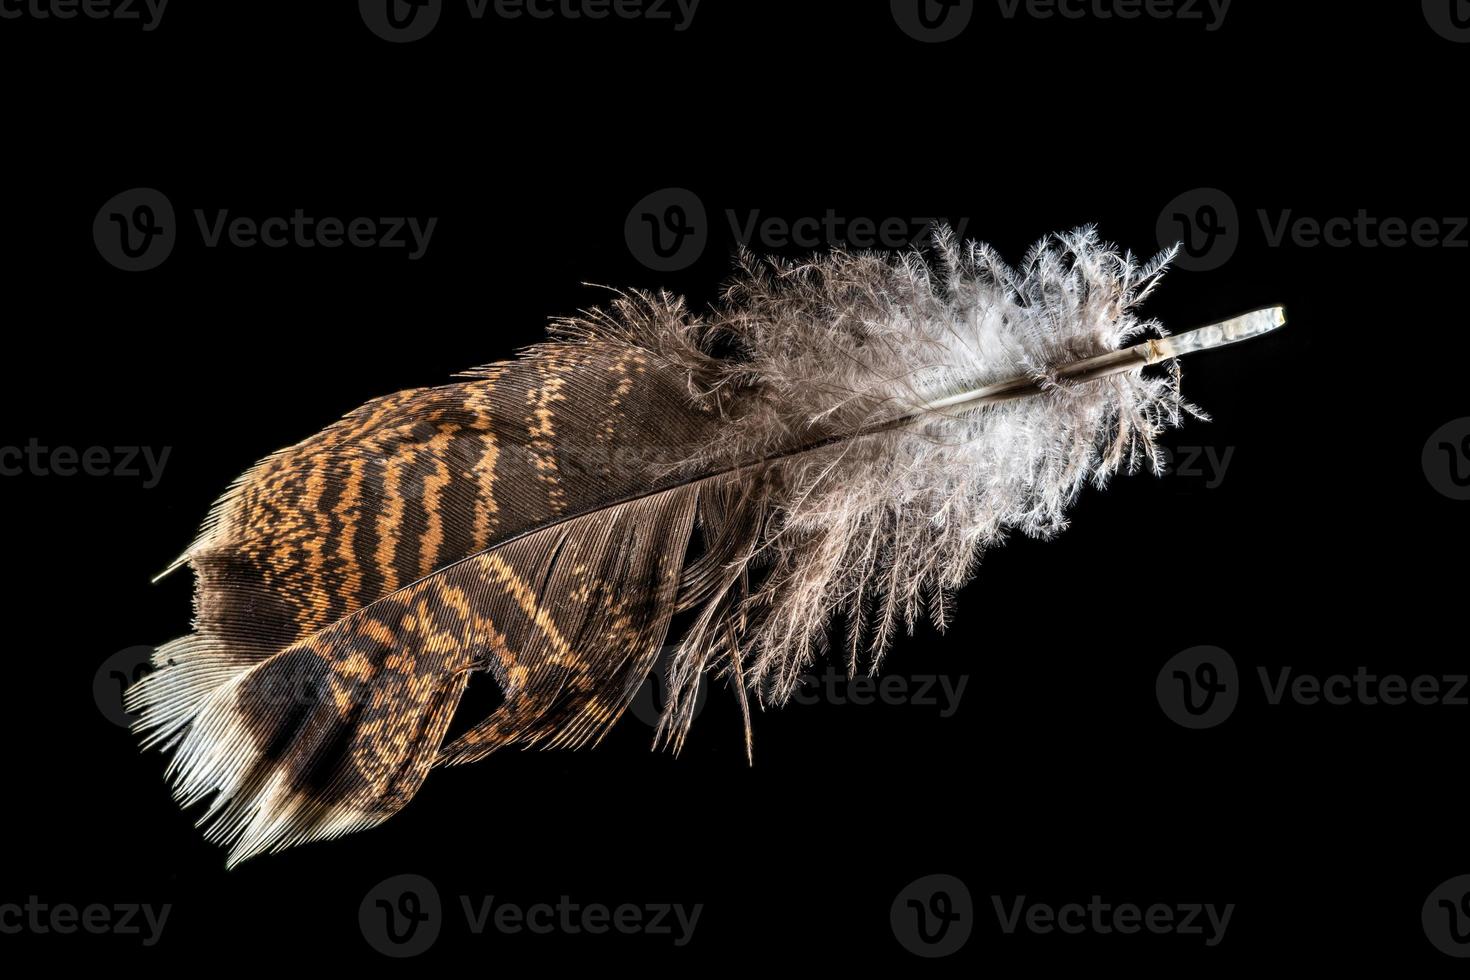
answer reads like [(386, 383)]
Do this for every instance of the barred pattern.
[(544, 519)]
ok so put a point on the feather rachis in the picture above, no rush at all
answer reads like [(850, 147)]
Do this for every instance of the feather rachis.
[(534, 520)]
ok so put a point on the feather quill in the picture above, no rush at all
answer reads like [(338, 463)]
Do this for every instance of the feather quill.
[(838, 438)]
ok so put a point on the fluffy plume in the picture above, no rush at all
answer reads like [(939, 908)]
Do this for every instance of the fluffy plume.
[(805, 451)]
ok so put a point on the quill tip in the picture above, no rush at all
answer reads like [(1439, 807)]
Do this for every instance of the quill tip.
[(177, 564), (1221, 334)]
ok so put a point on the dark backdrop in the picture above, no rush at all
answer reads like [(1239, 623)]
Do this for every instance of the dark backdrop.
[(1315, 526)]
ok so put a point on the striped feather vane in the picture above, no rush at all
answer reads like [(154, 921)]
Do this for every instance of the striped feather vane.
[(837, 438)]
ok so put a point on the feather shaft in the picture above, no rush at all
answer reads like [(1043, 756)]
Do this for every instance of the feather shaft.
[(839, 437), (1151, 351)]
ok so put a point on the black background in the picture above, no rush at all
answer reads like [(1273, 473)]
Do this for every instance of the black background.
[(1323, 547)]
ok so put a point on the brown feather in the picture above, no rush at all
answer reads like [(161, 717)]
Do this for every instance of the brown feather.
[(543, 520)]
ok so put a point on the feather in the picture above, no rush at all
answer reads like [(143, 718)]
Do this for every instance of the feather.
[(842, 437)]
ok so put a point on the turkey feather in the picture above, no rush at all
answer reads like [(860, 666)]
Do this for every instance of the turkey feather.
[(839, 438)]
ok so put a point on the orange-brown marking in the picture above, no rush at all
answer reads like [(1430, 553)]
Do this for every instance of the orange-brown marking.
[(433, 537)]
